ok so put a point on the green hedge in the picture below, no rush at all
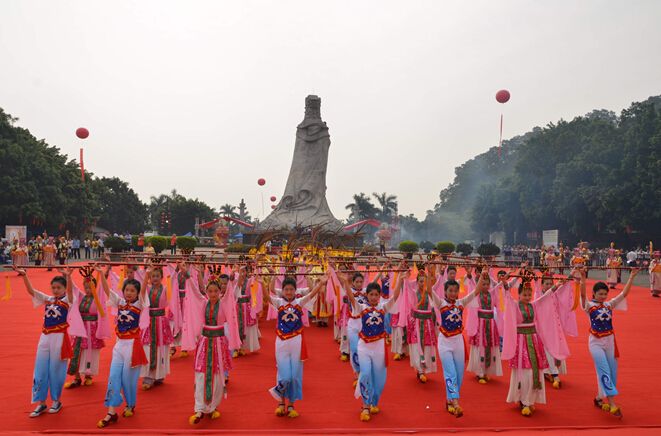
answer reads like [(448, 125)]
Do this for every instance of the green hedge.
[(408, 247), (464, 249), (445, 247), (488, 249), (186, 243), (115, 244), (237, 247)]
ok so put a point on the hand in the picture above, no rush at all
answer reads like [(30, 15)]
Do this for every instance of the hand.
[(634, 272), (97, 267), (323, 280), (106, 258), (20, 271), (65, 271)]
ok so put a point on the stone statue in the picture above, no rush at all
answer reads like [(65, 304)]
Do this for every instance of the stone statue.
[(304, 201)]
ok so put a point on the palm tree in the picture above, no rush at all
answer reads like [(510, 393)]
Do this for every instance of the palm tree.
[(387, 205), (228, 210), (361, 208)]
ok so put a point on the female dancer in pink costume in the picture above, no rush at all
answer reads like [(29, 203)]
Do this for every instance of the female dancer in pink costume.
[(530, 327), (204, 331)]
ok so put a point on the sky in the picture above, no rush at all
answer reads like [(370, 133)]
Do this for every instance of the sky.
[(204, 96)]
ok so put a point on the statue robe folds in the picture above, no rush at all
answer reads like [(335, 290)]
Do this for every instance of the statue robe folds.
[(304, 200)]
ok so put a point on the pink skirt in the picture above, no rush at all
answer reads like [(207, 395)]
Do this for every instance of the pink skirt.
[(521, 359)]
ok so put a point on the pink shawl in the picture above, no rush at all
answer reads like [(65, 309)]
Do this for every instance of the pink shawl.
[(547, 326), (195, 305)]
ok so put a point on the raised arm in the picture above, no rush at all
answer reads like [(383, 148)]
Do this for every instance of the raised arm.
[(104, 281), (317, 288), (66, 272), (627, 287), (26, 280), (584, 300)]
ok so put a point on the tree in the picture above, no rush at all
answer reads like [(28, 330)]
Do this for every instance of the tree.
[(180, 212), (361, 208), (120, 208), (229, 211), (387, 206)]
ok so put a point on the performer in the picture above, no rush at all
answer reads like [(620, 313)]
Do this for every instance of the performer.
[(612, 263), (398, 338), (421, 324), (248, 309), (49, 254), (530, 327), (62, 250), (156, 329), (451, 347), (38, 251), (350, 326), (54, 348), (564, 301), (204, 331), (182, 285), (482, 328), (86, 350), (19, 254), (655, 274), (372, 354), (128, 355), (290, 348), (601, 342)]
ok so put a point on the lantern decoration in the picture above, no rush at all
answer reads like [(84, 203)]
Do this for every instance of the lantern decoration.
[(82, 133), (261, 182), (502, 97), (273, 198)]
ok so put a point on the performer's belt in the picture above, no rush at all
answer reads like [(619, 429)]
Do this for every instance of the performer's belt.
[(182, 294), (59, 328), (129, 334), (89, 317), (242, 300), (212, 331), (526, 329), (485, 314), (157, 312), (422, 315)]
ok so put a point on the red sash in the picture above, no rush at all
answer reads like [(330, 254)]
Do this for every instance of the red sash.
[(304, 348), (66, 352), (138, 356)]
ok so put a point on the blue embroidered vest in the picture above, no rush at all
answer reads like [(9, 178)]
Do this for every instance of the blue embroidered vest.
[(290, 321), (373, 324), (601, 320)]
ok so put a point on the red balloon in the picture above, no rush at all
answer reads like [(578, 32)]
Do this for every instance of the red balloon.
[(82, 132), (273, 198), (261, 182), (503, 96), (273, 206)]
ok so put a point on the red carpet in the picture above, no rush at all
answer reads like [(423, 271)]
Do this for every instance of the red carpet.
[(328, 403)]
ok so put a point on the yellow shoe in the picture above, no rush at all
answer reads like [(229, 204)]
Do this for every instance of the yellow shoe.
[(526, 411), (450, 408), (374, 410), (184, 354), (280, 410), (365, 415), (397, 357), (146, 387), (458, 411), (73, 384), (556, 384), (422, 378), (355, 382), (235, 354), (215, 414), (344, 357), (615, 411), (128, 412), (242, 352), (605, 407), (482, 380), (195, 419), (292, 413), (88, 381)]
